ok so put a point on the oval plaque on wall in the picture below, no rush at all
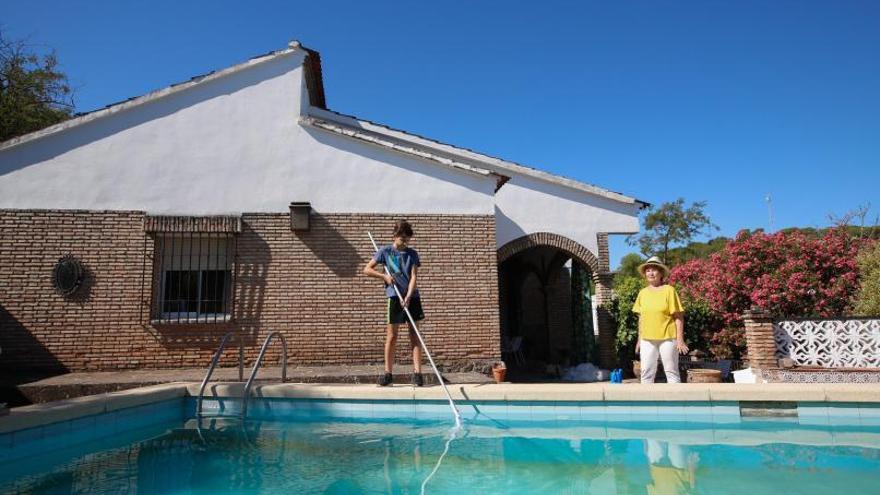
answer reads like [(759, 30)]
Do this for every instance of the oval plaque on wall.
[(68, 274)]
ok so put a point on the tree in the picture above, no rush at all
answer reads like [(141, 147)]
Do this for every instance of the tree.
[(855, 222), (695, 250), (629, 267), (33, 93), (669, 225)]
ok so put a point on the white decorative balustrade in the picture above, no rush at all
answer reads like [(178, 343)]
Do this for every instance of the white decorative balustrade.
[(838, 343)]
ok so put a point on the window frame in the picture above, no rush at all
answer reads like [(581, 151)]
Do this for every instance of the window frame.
[(162, 268)]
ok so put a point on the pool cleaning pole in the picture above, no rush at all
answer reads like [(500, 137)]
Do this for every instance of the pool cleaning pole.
[(421, 340)]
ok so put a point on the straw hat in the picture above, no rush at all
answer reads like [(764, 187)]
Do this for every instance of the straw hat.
[(655, 262)]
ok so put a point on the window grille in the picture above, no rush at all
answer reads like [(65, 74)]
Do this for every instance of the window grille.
[(193, 279)]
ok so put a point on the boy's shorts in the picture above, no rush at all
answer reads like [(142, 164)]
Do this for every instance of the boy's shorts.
[(396, 314)]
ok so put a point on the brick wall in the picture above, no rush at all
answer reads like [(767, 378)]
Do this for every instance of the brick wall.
[(307, 285), (98, 327)]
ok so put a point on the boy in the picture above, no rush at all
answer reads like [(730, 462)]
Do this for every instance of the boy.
[(403, 263)]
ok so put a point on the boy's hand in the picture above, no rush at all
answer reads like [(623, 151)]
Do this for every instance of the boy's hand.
[(406, 301), (388, 279)]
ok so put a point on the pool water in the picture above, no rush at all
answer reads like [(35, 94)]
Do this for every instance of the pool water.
[(354, 456)]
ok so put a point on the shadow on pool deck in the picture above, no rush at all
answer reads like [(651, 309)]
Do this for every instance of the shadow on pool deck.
[(23, 390)]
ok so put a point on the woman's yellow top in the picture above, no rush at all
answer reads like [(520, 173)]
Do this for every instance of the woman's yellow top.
[(655, 308)]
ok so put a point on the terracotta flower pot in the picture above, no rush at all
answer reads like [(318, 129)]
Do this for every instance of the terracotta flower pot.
[(703, 376), (498, 374)]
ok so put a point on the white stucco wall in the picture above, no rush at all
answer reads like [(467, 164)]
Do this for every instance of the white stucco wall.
[(526, 205), (228, 146), (535, 201), (235, 144)]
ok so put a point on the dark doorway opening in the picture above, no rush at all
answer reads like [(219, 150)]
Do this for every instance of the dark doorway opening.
[(547, 314)]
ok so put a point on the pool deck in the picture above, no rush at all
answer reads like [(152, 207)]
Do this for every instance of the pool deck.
[(31, 390), (46, 413)]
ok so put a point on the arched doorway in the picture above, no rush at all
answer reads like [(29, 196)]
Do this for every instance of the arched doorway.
[(547, 306)]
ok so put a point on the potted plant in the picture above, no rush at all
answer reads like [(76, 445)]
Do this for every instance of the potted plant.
[(499, 370)]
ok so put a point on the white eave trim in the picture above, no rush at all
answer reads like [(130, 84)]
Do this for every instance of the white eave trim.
[(292, 47), (384, 142), (440, 150)]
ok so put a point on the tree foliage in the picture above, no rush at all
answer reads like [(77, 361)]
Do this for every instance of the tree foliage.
[(626, 292), (669, 225), (34, 93), (856, 222), (695, 250), (629, 268), (867, 300)]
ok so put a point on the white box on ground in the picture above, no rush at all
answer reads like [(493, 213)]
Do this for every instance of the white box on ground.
[(744, 376)]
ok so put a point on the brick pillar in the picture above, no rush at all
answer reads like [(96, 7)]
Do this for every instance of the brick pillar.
[(604, 257), (759, 338), (604, 283)]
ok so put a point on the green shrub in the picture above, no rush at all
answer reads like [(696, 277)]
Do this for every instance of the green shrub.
[(626, 290), (866, 301), (701, 325)]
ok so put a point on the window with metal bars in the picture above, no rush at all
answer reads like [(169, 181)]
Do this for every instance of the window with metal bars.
[(194, 277)]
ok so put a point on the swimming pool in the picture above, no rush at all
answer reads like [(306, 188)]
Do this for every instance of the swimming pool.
[(324, 446)]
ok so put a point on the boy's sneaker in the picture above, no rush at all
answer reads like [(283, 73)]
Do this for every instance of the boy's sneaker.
[(417, 380), (385, 380)]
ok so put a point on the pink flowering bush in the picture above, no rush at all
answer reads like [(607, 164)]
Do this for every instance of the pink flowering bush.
[(787, 273)]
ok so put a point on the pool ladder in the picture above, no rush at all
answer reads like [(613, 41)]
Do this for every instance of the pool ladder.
[(247, 388)]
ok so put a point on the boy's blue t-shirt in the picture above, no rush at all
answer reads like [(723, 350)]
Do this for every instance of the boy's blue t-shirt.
[(400, 264)]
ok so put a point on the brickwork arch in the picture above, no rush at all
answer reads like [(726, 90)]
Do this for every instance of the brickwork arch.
[(600, 272), (571, 247)]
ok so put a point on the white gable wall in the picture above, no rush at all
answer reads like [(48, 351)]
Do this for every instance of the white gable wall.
[(526, 205), (227, 146), (532, 201), (357, 177)]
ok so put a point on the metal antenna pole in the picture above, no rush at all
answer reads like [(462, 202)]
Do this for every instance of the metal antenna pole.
[(769, 200), (422, 341)]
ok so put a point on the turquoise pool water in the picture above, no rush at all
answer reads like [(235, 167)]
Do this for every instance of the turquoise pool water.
[(165, 452)]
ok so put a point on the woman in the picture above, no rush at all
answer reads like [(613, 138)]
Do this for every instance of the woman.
[(661, 323)]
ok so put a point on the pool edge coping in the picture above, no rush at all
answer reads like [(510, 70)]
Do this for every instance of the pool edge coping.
[(20, 418), (564, 392), (52, 412)]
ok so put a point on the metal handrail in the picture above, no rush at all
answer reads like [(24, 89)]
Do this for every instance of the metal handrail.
[(250, 382), (213, 365)]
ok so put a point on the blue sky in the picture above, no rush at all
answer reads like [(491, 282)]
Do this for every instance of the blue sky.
[(708, 100)]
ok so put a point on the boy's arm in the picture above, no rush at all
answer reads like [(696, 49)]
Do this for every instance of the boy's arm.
[(412, 286), (370, 271)]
